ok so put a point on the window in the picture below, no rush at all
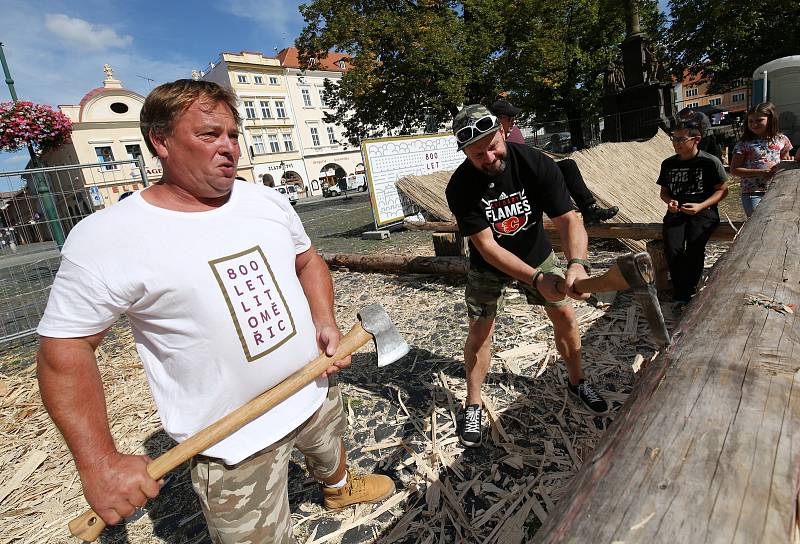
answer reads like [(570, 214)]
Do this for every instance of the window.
[(321, 92), (273, 80), (288, 144), (133, 151), (259, 80), (331, 136), (737, 97), (266, 113), (342, 64), (241, 78), (715, 101), (249, 109), (274, 146), (306, 97), (315, 137), (692, 104), (280, 109), (258, 144), (692, 91), (119, 107), (104, 154)]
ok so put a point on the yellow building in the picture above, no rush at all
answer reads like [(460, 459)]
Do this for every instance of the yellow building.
[(270, 142), (105, 128)]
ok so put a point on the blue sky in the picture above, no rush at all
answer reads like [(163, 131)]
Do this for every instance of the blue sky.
[(56, 49)]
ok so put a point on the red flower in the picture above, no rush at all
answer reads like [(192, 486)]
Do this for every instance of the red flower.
[(25, 123)]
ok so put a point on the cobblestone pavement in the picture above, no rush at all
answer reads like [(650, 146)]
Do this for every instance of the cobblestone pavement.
[(335, 225)]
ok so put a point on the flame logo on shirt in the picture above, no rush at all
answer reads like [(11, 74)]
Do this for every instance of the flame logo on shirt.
[(508, 214)]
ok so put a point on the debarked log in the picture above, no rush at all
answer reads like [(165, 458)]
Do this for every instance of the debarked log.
[(398, 264), (629, 231), (707, 446)]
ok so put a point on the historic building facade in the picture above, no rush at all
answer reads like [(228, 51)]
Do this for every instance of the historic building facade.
[(327, 156), (271, 144)]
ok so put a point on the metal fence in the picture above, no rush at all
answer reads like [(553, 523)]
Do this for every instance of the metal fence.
[(38, 208)]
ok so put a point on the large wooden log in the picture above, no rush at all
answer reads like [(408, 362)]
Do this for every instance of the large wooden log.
[(398, 264), (629, 231), (707, 447)]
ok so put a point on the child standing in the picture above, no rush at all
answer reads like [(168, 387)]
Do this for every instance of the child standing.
[(692, 183), (756, 157)]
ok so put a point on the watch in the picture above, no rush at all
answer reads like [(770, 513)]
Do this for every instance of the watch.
[(583, 262)]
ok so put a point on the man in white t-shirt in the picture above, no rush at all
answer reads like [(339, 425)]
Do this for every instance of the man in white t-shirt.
[(226, 298)]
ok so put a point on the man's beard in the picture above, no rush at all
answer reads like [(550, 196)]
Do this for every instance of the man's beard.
[(495, 169)]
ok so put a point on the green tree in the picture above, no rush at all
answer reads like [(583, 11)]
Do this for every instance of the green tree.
[(729, 40), (416, 62)]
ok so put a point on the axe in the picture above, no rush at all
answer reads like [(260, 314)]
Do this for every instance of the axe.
[(374, 324), (634, 271)]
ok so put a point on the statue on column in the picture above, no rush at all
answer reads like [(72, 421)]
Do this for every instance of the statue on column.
[(109, 71)]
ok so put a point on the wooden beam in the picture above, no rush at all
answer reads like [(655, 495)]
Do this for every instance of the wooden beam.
[(629, 231), (707, 447), (398, 264)]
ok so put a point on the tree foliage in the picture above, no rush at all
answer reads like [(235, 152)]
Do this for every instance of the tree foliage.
[(416, 62), (729, 40)]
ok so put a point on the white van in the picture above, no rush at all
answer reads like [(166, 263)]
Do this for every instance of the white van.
[(357, 182), (290, 192)]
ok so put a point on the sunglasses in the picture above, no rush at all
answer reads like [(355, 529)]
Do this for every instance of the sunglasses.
[(681, 139), (482, 125)]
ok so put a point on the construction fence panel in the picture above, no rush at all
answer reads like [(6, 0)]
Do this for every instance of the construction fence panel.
[(38, 208)]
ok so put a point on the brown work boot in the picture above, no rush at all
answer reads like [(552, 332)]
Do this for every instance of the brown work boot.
[(369, 488)]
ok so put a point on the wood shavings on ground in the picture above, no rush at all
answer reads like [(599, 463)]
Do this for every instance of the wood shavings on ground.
[(402, 423)]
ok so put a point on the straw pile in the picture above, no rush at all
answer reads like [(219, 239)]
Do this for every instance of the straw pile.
[(618, 174)]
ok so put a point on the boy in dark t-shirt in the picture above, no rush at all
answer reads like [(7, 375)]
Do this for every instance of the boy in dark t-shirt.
[(692, 183), (498, 196)]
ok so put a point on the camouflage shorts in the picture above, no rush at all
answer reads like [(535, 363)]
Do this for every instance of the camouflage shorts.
[(485, 289), (248, 503)]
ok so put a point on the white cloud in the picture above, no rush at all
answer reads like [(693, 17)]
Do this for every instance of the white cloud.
[(281, 18), (47, 70), (83, 34)]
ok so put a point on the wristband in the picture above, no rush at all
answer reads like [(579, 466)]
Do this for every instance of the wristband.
[(583, 262), (535, 277)]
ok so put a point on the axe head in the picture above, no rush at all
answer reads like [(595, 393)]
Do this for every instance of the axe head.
[(389, 345), (638, 271)]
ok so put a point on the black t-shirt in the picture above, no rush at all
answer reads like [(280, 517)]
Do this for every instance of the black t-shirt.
[(691, 180), (510, 204)]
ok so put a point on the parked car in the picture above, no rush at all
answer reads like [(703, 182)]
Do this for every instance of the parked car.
[(290, 192), (331, 190)]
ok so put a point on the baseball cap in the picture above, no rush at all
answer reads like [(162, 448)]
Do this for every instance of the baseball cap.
[(472, 123), (504, 107)]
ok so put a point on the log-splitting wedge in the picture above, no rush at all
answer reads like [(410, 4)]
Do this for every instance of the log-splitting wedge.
[(374, 325), (632, 271)]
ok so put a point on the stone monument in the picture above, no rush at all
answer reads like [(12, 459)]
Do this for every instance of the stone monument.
[(638, 98)]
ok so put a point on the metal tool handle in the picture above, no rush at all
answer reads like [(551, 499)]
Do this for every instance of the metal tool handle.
[(89, 525)]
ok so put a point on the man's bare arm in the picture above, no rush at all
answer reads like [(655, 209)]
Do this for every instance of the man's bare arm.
[(504, 260), (72, 392), (318, 287), (575, 244)]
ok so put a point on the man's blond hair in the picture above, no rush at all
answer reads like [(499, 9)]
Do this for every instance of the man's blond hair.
[(167, 102)]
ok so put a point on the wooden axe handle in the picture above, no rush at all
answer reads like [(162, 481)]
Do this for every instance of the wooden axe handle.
[(89, 525), (611, 280)]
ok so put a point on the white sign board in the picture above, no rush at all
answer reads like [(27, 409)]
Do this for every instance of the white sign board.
[(388, 159)]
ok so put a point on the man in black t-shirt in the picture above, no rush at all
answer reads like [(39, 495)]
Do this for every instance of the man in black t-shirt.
[(692, 183), (498, 195)]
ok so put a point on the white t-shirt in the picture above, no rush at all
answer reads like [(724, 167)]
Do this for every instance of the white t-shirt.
[(217, 311)]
